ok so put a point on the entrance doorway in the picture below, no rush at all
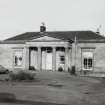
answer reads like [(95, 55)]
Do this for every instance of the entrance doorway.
[(47, 58)]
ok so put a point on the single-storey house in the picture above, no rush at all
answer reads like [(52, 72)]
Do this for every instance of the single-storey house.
[(52, 50)]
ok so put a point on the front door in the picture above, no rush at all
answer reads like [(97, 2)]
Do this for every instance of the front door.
[(47, 59)]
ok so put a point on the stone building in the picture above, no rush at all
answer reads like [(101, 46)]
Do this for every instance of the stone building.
[(51, 50)]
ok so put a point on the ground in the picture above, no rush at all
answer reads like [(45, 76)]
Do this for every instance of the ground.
[(55, 88)]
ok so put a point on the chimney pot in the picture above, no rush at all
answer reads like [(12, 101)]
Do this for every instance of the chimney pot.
[(42, 28)]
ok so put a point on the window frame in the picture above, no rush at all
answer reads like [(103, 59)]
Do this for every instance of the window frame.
[(86, 64), (17, 66), (62, 59), (82, 58)]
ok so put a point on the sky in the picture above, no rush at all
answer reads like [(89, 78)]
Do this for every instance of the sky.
[(19, 16)]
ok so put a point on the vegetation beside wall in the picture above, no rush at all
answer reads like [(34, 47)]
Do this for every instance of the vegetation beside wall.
[(22, 75), (72, 71), (32, 68), (60, 69)]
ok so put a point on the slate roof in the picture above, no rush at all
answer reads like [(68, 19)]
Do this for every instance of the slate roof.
[(66, 35)]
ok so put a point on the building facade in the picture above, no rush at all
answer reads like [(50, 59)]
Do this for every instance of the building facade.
[(53, 50)]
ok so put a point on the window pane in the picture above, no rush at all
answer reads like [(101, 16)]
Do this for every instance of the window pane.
[(87, 60), (85, 63), (90, 62), (87, 54), (18, 58), (62, 59)]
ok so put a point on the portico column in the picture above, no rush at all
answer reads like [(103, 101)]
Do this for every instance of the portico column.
[(54, 59), (69, 57), (27, 58), (39, 58), (66, 58)]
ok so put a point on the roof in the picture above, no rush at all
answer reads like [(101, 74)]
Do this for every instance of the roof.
[(66, 35)]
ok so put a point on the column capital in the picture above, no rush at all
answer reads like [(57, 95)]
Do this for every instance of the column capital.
[(26, 47), (66, 47), (53, 46), (39, 47)]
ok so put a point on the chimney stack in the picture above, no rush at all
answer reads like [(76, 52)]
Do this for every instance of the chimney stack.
[(43, 28)]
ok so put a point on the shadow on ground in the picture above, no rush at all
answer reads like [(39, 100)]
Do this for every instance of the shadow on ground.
[(10, 98)]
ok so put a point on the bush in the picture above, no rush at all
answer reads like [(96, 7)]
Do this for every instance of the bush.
[(3, 70), (86, 72), (73, 70), (32, 68), (22, 75), (60, 69), (69, 70), (7, 97)]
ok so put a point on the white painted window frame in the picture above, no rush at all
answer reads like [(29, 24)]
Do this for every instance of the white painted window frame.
[(91, 50), (17, 50)]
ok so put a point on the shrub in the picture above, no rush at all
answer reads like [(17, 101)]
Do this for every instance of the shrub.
[(32, 68), (73, 70), (60, 69), (22, 75), (3, 70), (7, 97), (69, 70), (85, 72)]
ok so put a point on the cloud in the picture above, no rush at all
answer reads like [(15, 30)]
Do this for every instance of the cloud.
[(26, 15)]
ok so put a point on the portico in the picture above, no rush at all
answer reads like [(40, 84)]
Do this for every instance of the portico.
[(48, 57), (53, 50)]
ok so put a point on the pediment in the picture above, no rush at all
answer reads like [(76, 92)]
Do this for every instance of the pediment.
[(46, 38)]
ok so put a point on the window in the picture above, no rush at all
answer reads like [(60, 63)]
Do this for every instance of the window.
[(87, 60), (18, 58), (62, 59)]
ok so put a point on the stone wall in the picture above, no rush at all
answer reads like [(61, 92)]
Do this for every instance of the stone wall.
[(98, 59), (6, 55)]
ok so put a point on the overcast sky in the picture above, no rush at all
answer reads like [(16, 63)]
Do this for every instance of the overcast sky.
[(19, 16)]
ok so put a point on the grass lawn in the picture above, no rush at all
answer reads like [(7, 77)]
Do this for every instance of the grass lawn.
[(54, 88)]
